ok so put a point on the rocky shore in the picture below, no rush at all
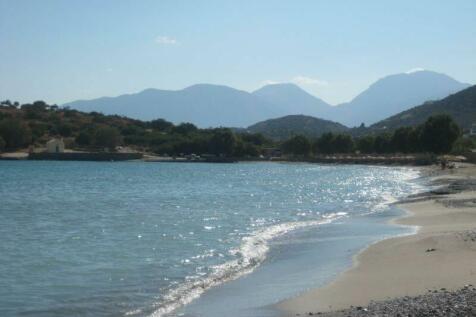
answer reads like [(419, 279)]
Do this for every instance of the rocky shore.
[(436, 303)]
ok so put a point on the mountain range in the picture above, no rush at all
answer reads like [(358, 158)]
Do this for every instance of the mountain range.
[(461, 106), (209, 105)]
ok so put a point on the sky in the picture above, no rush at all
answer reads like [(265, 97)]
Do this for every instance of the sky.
[(60, 51)]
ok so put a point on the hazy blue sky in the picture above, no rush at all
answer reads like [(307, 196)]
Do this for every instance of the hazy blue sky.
[(60, 51)]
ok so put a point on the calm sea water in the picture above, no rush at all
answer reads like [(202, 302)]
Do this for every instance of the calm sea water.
[(149, 239)]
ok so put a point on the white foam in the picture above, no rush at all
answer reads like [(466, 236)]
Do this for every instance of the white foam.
[(250, 254)]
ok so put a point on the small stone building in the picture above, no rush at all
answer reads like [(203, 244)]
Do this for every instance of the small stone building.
[(55, 146)]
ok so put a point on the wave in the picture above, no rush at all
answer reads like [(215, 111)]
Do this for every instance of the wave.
[(250, 254)]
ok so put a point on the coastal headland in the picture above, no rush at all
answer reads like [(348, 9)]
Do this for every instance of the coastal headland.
[(430, 272)]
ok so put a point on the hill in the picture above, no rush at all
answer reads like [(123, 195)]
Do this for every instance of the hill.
[(285, 127), (289, 97), (396, 93), (461, 106)]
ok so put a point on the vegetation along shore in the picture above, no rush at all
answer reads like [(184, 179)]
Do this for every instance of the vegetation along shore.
[(28, 127)]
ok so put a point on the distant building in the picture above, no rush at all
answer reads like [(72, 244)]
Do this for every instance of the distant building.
[(55, 146)]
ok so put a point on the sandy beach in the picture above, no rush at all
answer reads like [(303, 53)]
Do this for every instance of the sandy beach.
[(440, 256)]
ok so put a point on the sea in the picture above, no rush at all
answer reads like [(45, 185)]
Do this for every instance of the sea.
[(185, 239)]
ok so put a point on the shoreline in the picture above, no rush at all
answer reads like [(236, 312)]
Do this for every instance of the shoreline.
[(418, 159), (439, 255)]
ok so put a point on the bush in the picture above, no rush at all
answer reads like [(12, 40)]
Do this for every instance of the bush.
[(366, 144), (15, 133), (438, 134), (324, 144), (298, 145), (161, 125), (2, 144), (329, 143), (222, 142), (463, 145), (85, 139), (107, 137), (343, 143)]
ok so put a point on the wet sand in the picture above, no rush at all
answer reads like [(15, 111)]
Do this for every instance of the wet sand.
[(441, 255)]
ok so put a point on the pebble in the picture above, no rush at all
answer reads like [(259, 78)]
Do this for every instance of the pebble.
[(460, 303)]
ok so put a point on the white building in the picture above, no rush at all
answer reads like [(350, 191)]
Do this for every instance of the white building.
[(55, 146)]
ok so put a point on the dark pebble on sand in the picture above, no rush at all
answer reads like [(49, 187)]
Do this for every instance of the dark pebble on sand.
[(460, 303)]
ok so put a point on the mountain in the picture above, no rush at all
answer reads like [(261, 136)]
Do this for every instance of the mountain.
[(209, 105), (461, 106), (212, 105), (203, 104), (396, 93), (285, 127), (291, 97)]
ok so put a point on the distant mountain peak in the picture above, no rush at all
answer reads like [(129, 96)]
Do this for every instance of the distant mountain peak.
[(281, 87), (147, 91), (415, 70), (395, 93), (292, 97), (206, 86)]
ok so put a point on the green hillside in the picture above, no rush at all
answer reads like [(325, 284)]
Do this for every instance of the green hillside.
[(285, 127), (460, 106), (32, 125)]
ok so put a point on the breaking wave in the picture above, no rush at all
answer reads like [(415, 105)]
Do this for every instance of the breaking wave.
[(249, 255)]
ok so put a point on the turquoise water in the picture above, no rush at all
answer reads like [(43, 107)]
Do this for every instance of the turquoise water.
[(151, 239)]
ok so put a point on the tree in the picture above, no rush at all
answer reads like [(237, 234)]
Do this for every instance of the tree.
[(222, 142), (324, 144), (254, 138), (383, 143), (402, 140), (343, 143), (414, 144), (297, 145), (6, 103), (65, 129), (365, 144), (2, 144), (185, 128), (245, 149), (85, 138), (108, 137), (463, 145), (35, 110), (15, 133), (439, 133), (161, 124)]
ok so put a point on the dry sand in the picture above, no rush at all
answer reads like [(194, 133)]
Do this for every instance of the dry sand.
[(442, 254)]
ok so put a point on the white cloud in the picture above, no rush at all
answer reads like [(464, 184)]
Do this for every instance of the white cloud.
[(414, 70), (303, 80), (165, 40), (269, 82)]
